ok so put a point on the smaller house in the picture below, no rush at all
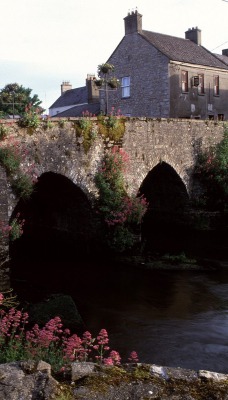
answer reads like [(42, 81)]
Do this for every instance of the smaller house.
[(73, 102)]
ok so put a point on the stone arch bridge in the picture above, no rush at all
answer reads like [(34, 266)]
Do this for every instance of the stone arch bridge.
[(156, 147)]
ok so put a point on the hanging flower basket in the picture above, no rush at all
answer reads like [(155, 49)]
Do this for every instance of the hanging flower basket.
[(99, 82), (105, 68), (114, 83)]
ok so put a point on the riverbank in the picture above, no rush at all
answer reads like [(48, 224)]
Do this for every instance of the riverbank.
[(175, 263)]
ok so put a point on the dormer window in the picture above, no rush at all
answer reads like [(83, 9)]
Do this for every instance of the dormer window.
[(184, 81)]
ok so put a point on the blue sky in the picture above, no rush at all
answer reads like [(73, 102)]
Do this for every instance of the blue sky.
[(44, 42)]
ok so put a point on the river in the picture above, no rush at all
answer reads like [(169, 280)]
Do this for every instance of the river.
[(171, 318)]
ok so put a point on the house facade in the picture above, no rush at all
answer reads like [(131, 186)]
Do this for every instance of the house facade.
[(165, 76)]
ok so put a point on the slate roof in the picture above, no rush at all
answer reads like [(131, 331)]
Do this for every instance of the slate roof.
[(77, 111), (223, 58), (183, 50), (71, 97)]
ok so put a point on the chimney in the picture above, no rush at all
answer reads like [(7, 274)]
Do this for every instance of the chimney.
[(92, 89), (194, 35), (65, 86), (225, 52), (133, 22)]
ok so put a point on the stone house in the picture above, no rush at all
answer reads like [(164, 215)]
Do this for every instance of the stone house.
[(75, 102), (167, 76)]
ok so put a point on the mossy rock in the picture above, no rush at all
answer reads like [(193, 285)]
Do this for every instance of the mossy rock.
[(59, 305)]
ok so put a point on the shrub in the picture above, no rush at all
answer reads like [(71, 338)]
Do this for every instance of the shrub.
[(11, 157), (23, 186), (30, 118), (212, 172), (119, 213)]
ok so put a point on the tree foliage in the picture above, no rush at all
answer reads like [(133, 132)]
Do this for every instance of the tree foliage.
[(212, 170), (14, 99)]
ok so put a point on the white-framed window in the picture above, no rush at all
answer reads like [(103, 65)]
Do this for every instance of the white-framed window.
[(201, 84), (184, 81), (125, 86)]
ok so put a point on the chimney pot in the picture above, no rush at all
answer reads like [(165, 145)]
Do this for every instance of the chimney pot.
[(225, 52), (133, 22), (194, 35), (65, 86)]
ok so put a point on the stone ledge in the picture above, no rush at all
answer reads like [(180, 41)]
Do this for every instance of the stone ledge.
[(90, 381)]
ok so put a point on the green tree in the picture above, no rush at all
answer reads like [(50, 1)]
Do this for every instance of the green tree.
[(15, 98)]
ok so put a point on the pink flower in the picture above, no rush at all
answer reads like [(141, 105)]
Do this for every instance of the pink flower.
[(1, 298), (133, 357)]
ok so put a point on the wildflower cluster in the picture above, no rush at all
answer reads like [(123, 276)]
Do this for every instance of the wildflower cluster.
[(51, 343), (85, 121), (112, 119), (22, 174), (118, 211)]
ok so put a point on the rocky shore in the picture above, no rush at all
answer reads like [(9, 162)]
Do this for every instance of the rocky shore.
[(89, 381)]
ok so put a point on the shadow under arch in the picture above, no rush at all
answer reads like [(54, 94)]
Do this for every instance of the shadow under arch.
[(166, 217), (57, 233)]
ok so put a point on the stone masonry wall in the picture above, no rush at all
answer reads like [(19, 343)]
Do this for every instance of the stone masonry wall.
[(176, 142), (148, 71), (147, 141)]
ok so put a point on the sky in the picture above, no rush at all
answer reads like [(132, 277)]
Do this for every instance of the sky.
[(46, 42)]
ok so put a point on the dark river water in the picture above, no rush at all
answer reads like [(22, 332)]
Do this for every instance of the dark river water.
[(171, 318)]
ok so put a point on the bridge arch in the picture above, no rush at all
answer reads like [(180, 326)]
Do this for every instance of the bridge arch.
[(168, 204), (58, 228), (164, 189)]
